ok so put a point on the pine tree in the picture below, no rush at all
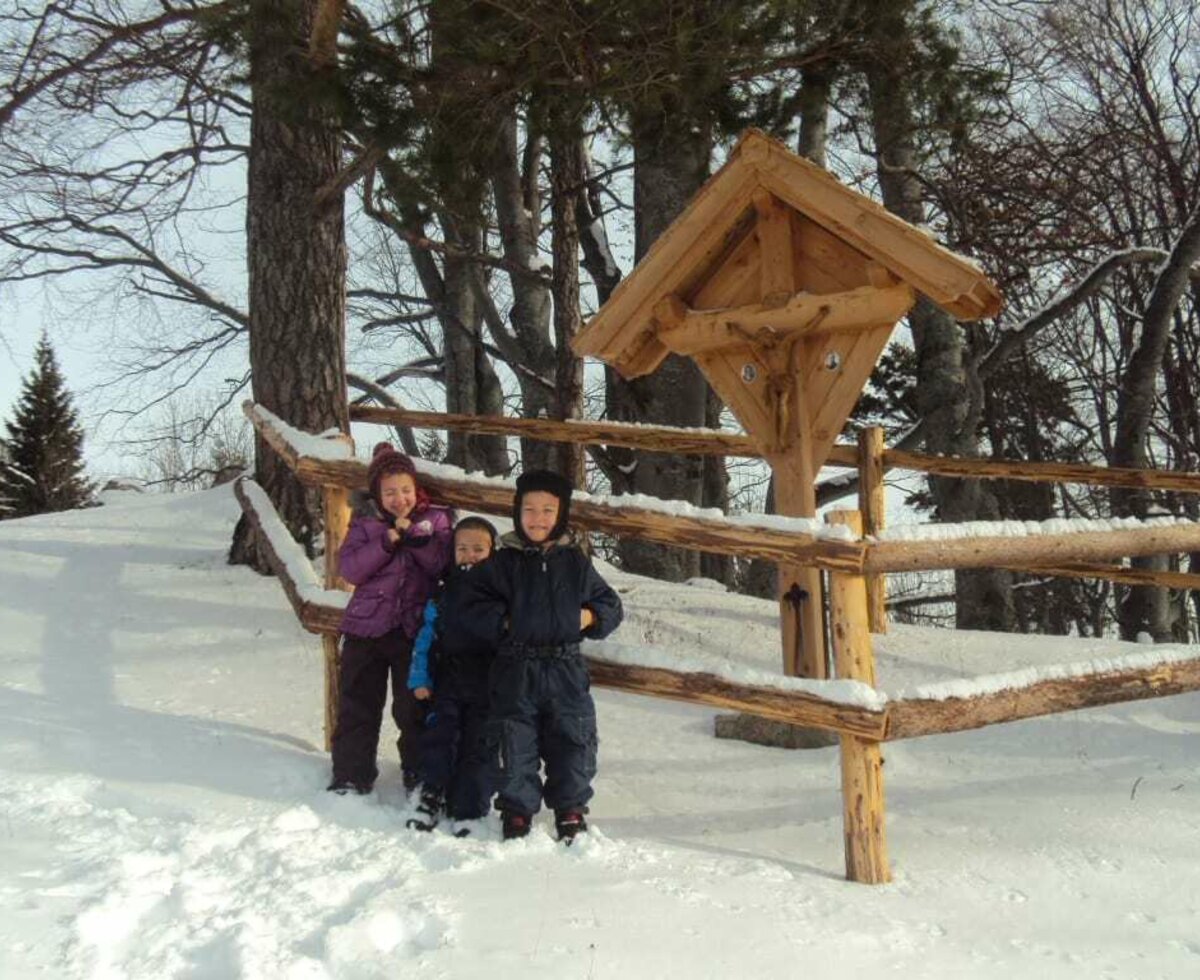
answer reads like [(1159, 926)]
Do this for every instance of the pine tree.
[(41, 468)]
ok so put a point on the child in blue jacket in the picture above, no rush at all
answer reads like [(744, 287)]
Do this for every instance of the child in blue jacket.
[(449, 672), (535, 601)]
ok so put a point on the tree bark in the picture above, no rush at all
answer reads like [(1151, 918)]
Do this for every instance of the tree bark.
[(671, 163), (514, 180), (1145, 609), (566, 174), (297, 261)]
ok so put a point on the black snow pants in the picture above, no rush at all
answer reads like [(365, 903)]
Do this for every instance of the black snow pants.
[(366, 663), (454, 755), (541, 710)]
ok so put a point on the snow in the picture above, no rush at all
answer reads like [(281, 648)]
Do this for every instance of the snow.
[(991, 683), (325, 446), (161, 789), (1018, 529)]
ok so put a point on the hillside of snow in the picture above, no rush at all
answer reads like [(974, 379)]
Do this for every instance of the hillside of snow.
[(162, 811)]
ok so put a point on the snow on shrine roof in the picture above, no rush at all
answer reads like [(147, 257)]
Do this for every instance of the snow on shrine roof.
[(722, 214)]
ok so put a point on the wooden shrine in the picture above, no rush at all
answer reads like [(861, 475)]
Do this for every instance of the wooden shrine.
[(784, 286)]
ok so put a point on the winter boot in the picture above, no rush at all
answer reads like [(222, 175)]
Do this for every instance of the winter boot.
[(412, 779), (429, 810), (569, 824), (515, 824), (344, 786)]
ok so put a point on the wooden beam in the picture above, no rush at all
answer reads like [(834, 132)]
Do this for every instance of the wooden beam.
[(662, 439), (861, 758), (1114, 573), (793, 707), (994, 469), (735, 282), (717, 535), (317, 614), (873, 506), (702, 237), (949, 280), (336, 502), (774, 232), (914, 717), (1030, 550), (832, 392), (805, 314), (823, 262), (714, 442)]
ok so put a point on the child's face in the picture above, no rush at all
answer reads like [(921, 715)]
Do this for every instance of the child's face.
[(539, 514), (398, 492), (471, 546)]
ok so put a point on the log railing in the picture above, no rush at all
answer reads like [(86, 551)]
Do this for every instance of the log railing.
[(870, 457), (851, 560)]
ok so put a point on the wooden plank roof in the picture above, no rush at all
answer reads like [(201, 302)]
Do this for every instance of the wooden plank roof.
[(721, 216)]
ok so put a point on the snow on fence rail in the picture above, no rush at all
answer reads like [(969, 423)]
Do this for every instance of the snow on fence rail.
[(863, 717), (322, 462)]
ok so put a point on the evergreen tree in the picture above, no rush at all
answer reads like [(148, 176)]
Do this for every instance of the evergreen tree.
[(41, 468)]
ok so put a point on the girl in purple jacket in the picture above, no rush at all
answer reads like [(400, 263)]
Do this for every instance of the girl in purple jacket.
[(396, 550)]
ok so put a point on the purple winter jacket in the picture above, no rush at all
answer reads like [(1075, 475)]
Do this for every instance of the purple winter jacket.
[(392, 584)]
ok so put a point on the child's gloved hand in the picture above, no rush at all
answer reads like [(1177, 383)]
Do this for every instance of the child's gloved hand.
[(421, 693), (587, 619)]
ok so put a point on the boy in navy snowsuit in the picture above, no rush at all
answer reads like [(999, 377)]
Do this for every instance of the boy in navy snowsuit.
[(536, 601), (450, 673)]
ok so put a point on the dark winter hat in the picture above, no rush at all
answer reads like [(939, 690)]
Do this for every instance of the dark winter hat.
[(473, 523), (543, 481), (385, 461)]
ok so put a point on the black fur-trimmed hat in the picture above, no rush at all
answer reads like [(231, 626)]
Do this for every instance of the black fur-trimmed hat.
[(543, 481)]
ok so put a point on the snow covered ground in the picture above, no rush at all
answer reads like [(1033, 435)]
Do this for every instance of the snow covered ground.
[(162, 811)]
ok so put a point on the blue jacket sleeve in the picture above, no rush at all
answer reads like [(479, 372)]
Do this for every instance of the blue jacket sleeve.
[(419, 674), (605, 604)]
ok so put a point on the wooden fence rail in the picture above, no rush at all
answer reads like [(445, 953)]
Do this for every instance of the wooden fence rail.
[(715, 442)]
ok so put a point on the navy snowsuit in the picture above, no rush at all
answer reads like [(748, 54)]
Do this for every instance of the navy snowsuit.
[(540, 703), (454, 663)]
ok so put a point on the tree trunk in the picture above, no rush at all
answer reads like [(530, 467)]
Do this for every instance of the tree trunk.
[(514, 179), (566, 174), (297, 261), (472, 387), (671, 163), (947, 398), (1147, 610)]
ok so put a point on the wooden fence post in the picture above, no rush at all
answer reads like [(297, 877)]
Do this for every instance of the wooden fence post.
[(336, 502), (874, 513), (862, 759)]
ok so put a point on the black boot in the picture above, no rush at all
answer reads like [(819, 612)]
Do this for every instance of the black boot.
[(344, 786), (411, 778), (515, 824), (429, 810), (569, 824)]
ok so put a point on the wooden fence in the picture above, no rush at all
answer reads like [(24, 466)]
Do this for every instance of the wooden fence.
[(863, 718)]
